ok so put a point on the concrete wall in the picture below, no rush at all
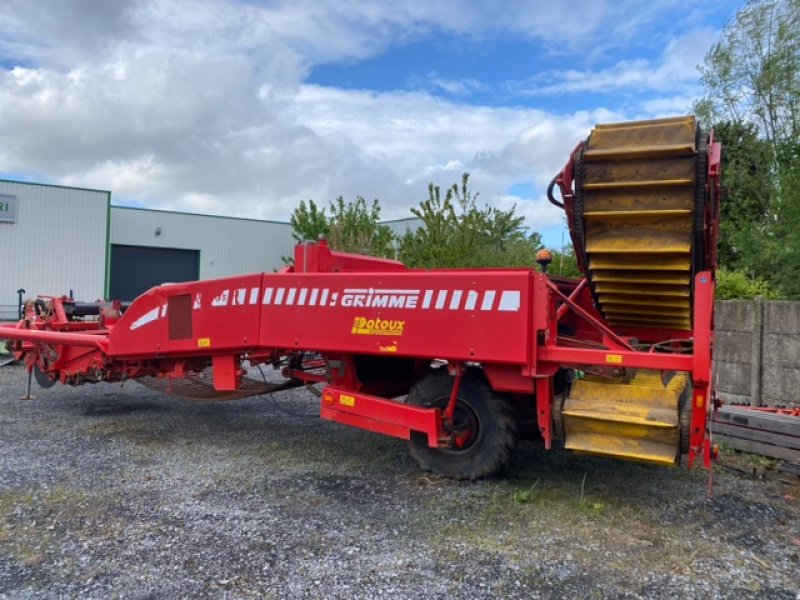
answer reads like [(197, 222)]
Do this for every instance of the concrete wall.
[(757, 351)]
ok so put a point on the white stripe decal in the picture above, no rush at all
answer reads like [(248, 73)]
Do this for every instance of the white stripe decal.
[(472, 300), (488, 300), (440, 299), (455, 300), (509, 301), (426, 302), (146, 318)]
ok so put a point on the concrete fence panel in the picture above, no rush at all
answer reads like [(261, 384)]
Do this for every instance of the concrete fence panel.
[(757, 352)]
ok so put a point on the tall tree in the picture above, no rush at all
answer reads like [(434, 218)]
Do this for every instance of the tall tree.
[(781, 263), (752, 76), (752, 73)]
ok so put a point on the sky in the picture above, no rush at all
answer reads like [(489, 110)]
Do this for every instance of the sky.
[(245, 108)]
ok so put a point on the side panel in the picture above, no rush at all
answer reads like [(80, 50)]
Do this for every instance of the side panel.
[(466, 315), (201, 318)]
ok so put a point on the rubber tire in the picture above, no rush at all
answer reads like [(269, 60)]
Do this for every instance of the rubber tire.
[(498, 426)]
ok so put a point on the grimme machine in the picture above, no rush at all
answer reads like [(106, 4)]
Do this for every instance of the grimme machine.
[(458, 362)]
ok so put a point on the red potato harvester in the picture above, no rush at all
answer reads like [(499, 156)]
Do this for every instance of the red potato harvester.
[(458, 362)]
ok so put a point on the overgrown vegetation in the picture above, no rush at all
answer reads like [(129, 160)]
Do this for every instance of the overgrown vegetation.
[(349, 226), (456, 232), (738, 285)]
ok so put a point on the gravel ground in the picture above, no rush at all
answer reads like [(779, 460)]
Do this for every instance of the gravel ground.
[(119, 492)]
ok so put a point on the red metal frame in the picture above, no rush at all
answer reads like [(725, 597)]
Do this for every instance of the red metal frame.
[(380, 415)]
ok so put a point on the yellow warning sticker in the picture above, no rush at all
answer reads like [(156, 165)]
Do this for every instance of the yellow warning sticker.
[(615, 359), (700, 401), (204, 342), (346, 400)]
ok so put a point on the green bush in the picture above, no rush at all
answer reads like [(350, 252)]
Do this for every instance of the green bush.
[(736, 285)]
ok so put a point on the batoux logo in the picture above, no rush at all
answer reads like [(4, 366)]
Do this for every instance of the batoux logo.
[(365, 326)]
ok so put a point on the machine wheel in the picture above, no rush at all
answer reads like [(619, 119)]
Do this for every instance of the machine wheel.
[(485, 426), (42, 378)]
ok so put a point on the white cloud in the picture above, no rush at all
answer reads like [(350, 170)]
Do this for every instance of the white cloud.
[(539, 213), (433, 82), (676, 69), (204, 106)]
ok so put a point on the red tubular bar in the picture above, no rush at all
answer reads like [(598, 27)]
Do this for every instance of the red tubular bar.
[(93, 339)]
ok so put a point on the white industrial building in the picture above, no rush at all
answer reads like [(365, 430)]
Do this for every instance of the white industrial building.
[(56, 240), (52, 239)]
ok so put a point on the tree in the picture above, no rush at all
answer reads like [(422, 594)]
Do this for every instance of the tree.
[(457, 234), (781, 247), (349, 226), (752, 73), (752, 94), (308, 222), (355, 227), (749, 191)]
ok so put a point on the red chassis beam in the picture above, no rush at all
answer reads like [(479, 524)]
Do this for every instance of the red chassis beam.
[(380, 415)]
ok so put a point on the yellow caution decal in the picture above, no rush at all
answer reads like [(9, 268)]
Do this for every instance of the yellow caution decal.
[(204, 342), (347, 400)]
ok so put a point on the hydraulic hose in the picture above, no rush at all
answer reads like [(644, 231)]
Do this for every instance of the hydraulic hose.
[(550, 193)]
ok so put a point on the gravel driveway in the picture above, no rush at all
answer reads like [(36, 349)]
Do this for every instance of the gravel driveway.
[(109, 491)]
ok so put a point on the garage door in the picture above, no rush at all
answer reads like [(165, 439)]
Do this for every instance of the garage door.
[(135, 269)]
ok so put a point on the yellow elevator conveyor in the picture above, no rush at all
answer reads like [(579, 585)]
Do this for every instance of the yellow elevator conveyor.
[(639, 190), (639, 201)]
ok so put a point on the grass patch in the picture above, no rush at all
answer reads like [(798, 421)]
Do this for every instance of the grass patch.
[(34, 521)]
